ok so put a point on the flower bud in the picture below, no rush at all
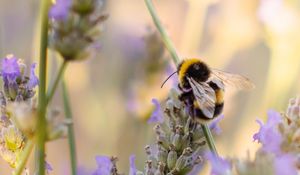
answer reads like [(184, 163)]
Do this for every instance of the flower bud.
[(162, 154), (172, 158)]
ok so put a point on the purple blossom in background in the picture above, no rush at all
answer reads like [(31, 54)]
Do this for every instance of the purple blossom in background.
[(48, 167), (214, 125), (10, 69), (268, 133), (104, 165), (33, 79), (285, 164), (132, 170), (219, 166), (82, 171), (60, 10), (157, 115)]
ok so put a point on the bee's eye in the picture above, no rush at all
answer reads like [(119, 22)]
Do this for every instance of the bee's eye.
[(196, 66)]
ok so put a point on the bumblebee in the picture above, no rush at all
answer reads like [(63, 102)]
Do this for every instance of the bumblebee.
[(203, 88)]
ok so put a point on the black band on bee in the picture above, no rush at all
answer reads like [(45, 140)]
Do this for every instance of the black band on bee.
[(218, 109), (214, 86), (199, 114)]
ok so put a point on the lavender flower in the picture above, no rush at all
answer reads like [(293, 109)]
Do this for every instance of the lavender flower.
[(214, 125), (16, 84), (132, 170), (157, 115), (107, 166), (60, 10), (285, 164), (219, 166), (33, 79), (104, 165), (69, 37), (18, 113), (179, 142), (10, 69), (268, 133), (48, 167)]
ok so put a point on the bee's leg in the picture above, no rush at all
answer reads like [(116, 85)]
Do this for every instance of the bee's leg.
[(179, 87), (219, 105)]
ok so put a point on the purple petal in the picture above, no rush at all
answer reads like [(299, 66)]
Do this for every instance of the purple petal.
[(268, 134), (257, 136), (33, 79), (219, 166), (104, 165), (48, 167), (10, 69), (157, 115), (274, 118), (82, 171), (285, 164), (214, 125), (60, 10), (132, 170)]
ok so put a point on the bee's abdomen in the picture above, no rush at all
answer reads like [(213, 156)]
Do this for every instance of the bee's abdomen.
[(199, 115), (219, 98), (219, 105), (218, 109)]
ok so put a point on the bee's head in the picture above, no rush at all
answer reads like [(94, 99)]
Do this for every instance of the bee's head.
[(193, 68), (198, 71)]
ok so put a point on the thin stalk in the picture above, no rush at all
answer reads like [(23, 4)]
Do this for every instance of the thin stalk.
[(166, 39), (209, 139), (172, 50), (24, 157), (52, 90), (42, 101), (71, 135)]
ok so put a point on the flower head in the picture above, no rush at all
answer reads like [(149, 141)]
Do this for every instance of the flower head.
[(285, 164), (10, 69), (104, 165), (48, 167), (11, 144), (17, 86), (157, 115), (132, 170), (219, 166), (33, 79), (268, 133), (60, 10)]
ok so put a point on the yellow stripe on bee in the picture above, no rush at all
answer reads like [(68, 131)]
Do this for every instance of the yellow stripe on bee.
[(219, 96), (184, 67), (195, 104)]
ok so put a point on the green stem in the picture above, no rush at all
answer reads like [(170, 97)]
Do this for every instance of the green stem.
[(42, 123), (209, 139), (71, 136), (172, 50), (56, 81), (24, 157), (166, 39)]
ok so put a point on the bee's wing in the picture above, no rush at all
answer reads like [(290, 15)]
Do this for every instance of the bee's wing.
[(234, 80), (205, 97)]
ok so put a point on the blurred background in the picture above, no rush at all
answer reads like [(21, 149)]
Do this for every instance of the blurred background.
[(111, 92)]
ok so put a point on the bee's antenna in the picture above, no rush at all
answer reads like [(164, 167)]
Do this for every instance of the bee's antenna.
[(168, 79)]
